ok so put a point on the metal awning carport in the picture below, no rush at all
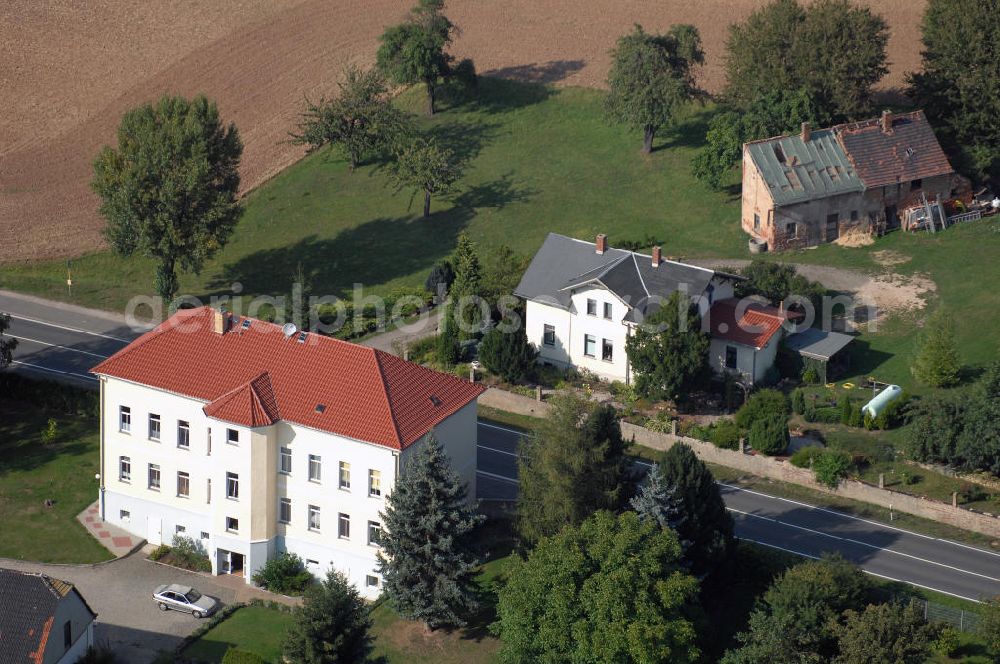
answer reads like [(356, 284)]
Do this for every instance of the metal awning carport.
[(818, 344)]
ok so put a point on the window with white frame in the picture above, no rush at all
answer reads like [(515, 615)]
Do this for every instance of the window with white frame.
[(549, 335), (179, 529), (375, 483), (285, 461), (154, 426), (591, 307), (124, 419), (315, 468), (232, 486), (607, 350), (232, 524), (375, 533), (343, 526), (125, 469), (232, 436), (371, 581), (589, 345), (204, 535), (183, 484), (314, 518), (345, 475), (154, 476), (607, 310), (183, 434), (285, 510)]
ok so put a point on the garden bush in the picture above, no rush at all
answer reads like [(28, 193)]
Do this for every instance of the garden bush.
[(804, 457), (725, 434), (844, 405), (285, 574), (831, 466), (799, 401), (769, 434), (237, 656), (159, 552), (827, 414), (508, 354), (441, 275), (190, 553), (763, 404)]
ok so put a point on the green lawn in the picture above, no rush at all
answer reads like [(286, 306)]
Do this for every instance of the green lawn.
[(32, 472), (254, 628)]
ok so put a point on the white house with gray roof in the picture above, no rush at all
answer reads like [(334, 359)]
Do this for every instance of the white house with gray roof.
[(584, 299)]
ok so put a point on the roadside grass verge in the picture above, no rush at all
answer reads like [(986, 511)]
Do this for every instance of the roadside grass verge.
[(32, 472)]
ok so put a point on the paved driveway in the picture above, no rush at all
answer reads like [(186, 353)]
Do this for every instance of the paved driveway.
[(119, 591)]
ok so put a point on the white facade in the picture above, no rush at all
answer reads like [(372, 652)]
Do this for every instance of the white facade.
[(253, 493), (592, 336), (750, 363)]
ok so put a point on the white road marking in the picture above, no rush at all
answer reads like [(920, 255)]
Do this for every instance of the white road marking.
[(46, 343), (881, 576), (496, 477), (493, 449), (70, 329), (494, 426), (41, 368), (870, 546)]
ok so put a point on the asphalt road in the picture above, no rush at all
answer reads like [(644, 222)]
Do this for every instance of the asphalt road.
[(892, 553), (63, 342)]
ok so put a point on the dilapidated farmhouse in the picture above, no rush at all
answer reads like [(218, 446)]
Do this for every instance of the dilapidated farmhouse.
[(815, 186)]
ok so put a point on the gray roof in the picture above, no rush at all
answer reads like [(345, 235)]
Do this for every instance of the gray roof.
[(27, 602), (564, 263), (797, 171), (818, 344)]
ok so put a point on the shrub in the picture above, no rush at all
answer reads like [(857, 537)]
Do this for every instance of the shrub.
[(190, 553), (51, 432), (761, 405), (831, 466), (857, 419), (507, 353), (725, 434), (285, 574), (442, 275), (804, 457), (799, 401), (809, 375), (827, 414), (99, 653), (159, 552), (236, 656), (947, 641), (448, 351), (769, 434), (809, 415), (844, 405)]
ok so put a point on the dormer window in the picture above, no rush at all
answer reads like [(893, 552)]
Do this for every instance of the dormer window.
[(591, 307)]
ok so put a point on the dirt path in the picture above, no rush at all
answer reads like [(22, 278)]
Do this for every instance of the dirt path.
[(68, 70)]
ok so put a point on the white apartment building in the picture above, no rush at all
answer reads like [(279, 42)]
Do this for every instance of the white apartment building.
[(584, 299), (255, 441)]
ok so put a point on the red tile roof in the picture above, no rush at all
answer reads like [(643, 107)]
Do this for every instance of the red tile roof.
[(255, 376), (909, 151), (758, 324)]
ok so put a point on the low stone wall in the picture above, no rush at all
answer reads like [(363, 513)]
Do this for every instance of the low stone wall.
[(764, 466)]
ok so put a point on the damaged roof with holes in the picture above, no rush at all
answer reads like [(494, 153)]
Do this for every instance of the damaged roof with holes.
[(28, 604), (908, 151), (253, 375), (796, 171), (564, 264)]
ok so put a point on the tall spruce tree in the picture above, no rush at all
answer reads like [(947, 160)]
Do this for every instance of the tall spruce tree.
[(467, 287), (572, 465), (427, 558), (447, 349), (937, 363), (661, 503), (332, 626), (707, 527)]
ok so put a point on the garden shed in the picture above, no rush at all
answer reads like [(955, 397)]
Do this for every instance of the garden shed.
[(824, 349)]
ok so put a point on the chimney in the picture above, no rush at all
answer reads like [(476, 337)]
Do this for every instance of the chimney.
[(806, 132), (220, 321), (886, 122), (656, 256), (601, 245), (781, 307)]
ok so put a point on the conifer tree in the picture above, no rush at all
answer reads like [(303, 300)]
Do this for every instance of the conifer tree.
[(468, 285), (448, 351), (427, 558), (332, 626), (707, 527), (7, 345), (660, 502), (937, 363)]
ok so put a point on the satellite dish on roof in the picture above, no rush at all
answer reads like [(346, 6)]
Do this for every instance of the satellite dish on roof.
[(288, 329)]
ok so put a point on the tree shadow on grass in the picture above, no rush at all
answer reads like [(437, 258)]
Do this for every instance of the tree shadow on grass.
[(689, 132), (545, 73), (20, 446), (499, 95), (463, 138)]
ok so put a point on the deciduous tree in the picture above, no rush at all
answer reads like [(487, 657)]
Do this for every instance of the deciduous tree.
[(889, 633), (427, 559), (332, 626), (609, 591), (428, 168), (168, 191), (414, 51), (651, 78), (359, 121), (936, 362), (7, 345), (779, 282), (573, 464), (833, 50), (669, 350)]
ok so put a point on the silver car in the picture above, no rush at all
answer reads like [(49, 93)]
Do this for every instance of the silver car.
[(184, 598)]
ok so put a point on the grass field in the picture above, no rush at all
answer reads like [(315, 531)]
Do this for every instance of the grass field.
[(32, 472)]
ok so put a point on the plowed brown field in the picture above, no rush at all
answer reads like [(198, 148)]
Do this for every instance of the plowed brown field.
[(69, 69)]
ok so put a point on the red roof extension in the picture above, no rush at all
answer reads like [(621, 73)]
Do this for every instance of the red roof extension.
[(755, 327), (255, 376)]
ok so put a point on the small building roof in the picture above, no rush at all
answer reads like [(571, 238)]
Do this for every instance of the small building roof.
[(796, 170), (563, 264), (907, 151), (818, 344), (253, 375), (755, 327), (28, 604)]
